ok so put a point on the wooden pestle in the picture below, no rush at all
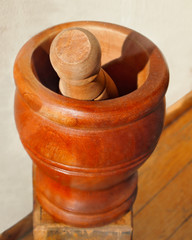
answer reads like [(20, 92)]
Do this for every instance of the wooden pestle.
[(75, 55)]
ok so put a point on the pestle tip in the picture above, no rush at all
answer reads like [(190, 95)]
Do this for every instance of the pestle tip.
[(75, 54)]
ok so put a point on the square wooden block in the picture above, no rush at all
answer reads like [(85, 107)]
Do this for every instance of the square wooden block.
[(45, 228)]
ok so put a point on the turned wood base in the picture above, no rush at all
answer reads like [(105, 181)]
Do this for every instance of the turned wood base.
[(82, 208), (45, 228)]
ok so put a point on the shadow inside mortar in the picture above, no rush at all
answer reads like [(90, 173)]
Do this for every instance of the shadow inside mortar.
[(123, 70)]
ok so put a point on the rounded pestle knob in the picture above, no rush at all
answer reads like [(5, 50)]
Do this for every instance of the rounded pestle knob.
[(75, 54)]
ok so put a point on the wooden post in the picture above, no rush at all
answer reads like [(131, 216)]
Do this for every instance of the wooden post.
[(46, 228)]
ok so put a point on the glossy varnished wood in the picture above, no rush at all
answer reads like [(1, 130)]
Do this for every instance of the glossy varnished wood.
[(87, 152), (180, 227), (44, 228)]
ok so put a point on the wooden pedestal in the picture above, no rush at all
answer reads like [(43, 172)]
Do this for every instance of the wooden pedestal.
[(94, 147), (45, 228), (164, 193)]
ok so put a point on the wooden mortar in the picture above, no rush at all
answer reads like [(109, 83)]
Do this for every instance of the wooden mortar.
[(86, 153)]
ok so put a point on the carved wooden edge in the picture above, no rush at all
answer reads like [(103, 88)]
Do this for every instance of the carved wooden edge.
[(177, 109), (20, 229), (89, 114)]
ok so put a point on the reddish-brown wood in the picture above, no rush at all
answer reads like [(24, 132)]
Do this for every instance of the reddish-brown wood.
[(44, 228), (87, 152), (20, 229), (178, 108)]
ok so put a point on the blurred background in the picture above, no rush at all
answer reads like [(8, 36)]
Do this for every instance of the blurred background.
[(167, 23)]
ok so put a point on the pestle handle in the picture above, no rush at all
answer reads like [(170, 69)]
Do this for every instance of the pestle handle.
[(75, 54)]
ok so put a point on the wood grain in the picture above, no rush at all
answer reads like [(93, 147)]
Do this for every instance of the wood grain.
[(164, 203), (183, 231), (175, 149), (170, 207), (19, 230), (177, 109), (75, 54), (87, 152), (46, 228), (180, 227)]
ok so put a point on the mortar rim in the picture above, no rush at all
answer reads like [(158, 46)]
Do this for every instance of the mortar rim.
[(90, 114)]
